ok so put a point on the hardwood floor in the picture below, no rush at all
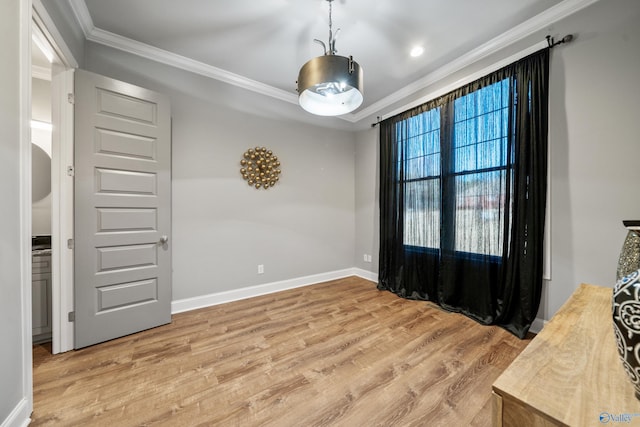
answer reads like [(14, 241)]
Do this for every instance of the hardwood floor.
[(339, 353)]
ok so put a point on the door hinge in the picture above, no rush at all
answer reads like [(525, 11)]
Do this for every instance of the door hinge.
[(71, 171), (72, 316), (71, 99), (70, 243)]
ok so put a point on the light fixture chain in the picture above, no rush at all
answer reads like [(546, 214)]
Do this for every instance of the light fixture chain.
[(331, 42), (330, 20)]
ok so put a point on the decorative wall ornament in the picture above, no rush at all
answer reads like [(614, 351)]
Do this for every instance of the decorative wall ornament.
[(260, 168)]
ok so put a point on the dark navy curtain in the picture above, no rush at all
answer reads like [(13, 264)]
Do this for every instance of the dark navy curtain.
[(463, 182)]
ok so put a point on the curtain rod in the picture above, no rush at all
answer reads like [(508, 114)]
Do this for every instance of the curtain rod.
[(549, 42), (552, 43)]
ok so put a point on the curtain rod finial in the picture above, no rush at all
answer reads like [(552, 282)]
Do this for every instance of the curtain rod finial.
[(552, 43)]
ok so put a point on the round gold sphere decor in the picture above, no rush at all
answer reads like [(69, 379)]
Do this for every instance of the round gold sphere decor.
[(260, 168)]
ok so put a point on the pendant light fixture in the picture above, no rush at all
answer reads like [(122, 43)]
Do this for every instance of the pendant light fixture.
[(330, 85)]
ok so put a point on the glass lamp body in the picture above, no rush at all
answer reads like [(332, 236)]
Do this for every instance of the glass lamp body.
[(330, 85)]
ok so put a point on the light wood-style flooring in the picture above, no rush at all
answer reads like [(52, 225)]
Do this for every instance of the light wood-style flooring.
[(339, 353)]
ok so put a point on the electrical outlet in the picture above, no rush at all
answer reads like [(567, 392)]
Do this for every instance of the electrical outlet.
[(260, 268), (368, 258), (364, 257)]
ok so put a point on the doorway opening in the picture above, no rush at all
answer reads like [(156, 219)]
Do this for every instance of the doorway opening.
[(42, 57), (52, 190)]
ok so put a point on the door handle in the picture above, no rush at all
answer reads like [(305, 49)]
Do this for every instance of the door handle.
[(164, 240)]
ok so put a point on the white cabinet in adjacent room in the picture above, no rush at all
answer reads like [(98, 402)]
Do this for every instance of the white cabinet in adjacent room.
[(41, 295)]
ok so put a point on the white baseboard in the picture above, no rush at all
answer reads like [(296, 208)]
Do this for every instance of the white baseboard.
[(365, 274), (194, 303), (209, 300), (19, 417), (537, 325)]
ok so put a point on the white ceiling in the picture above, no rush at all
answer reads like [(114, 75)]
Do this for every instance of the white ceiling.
[(262, 44)]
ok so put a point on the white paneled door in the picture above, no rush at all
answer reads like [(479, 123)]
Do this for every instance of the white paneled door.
[(122, 209)]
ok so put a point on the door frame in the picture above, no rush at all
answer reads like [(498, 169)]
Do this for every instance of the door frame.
[(25, 407), (61, 183), (62, 210)]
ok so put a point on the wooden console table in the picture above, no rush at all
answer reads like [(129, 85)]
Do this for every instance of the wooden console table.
[(570, 373)]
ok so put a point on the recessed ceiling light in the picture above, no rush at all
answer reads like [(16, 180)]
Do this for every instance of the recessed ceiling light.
[(416, 51)]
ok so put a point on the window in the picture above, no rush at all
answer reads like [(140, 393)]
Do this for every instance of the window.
[(462, 196), (459, 176), (421, 158)]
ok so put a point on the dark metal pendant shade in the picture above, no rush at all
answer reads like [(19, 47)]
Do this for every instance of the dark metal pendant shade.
[(330, 85)]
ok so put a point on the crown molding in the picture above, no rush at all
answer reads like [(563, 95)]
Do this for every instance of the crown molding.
[(97, 35), (517, 33), (150, 52), (79, 8), (39, 72), (443, 90)]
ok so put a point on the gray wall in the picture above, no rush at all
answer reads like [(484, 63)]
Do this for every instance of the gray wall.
[(367, 188), (222, 228), (324, 215), (11, 362), (594, 147), (594, 130), (41, 100)]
